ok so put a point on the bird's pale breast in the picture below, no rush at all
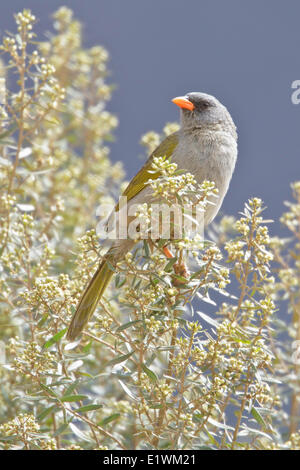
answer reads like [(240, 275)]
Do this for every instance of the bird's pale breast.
[(208, 155)]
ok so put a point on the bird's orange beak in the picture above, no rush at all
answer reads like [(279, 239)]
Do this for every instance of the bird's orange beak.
[(183, 103)]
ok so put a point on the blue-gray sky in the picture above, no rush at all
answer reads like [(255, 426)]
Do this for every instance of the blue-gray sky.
[(246, 53)]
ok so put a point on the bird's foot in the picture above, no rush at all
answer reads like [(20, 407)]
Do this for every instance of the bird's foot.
[(180, 269)]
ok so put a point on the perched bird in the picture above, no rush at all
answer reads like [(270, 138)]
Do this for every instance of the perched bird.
[(205, 146)]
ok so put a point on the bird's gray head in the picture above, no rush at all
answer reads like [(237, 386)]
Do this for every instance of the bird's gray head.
[(199, 110)]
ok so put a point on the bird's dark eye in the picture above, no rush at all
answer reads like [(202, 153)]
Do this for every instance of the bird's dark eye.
[(200, 103), (204, 104)]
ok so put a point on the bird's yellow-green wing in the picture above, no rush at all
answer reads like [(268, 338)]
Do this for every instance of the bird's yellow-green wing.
[(140, 180), (102, 276)]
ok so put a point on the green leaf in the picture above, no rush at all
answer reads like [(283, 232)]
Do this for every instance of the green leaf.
[(127, 325), (258, 417), (7, 438), (71, 398), (87, 347), (120, 281), (196, 273), (48, 390), (54, 338), (162, 242), (198, 417), (73, 309), (84, 409), (182, 279), (47, 411), (71, 388), (211, 438), (146, 249), (109, 419), (152, 376), (119, 359), (170, 264)]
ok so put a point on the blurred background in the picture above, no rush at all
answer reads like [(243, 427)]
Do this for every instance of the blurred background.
[(244, 53)]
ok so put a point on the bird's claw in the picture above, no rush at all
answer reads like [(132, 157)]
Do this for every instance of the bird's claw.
[(181, 270)]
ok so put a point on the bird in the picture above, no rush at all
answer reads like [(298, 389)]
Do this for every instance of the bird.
[(205, 146)]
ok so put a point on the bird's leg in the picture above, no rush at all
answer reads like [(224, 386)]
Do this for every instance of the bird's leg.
[(167, 252), (180, 268), (165, 249)]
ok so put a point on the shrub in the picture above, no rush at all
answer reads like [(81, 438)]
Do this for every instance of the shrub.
[(151, 371)]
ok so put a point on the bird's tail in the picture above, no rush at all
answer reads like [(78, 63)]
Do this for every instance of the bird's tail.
[(91, 297)]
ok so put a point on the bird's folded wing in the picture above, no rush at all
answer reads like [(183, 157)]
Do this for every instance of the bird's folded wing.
[(146, 173)]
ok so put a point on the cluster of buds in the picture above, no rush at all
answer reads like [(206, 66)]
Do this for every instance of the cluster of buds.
[(33, 361), (23, 425), (25, 21), (150, 140)]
